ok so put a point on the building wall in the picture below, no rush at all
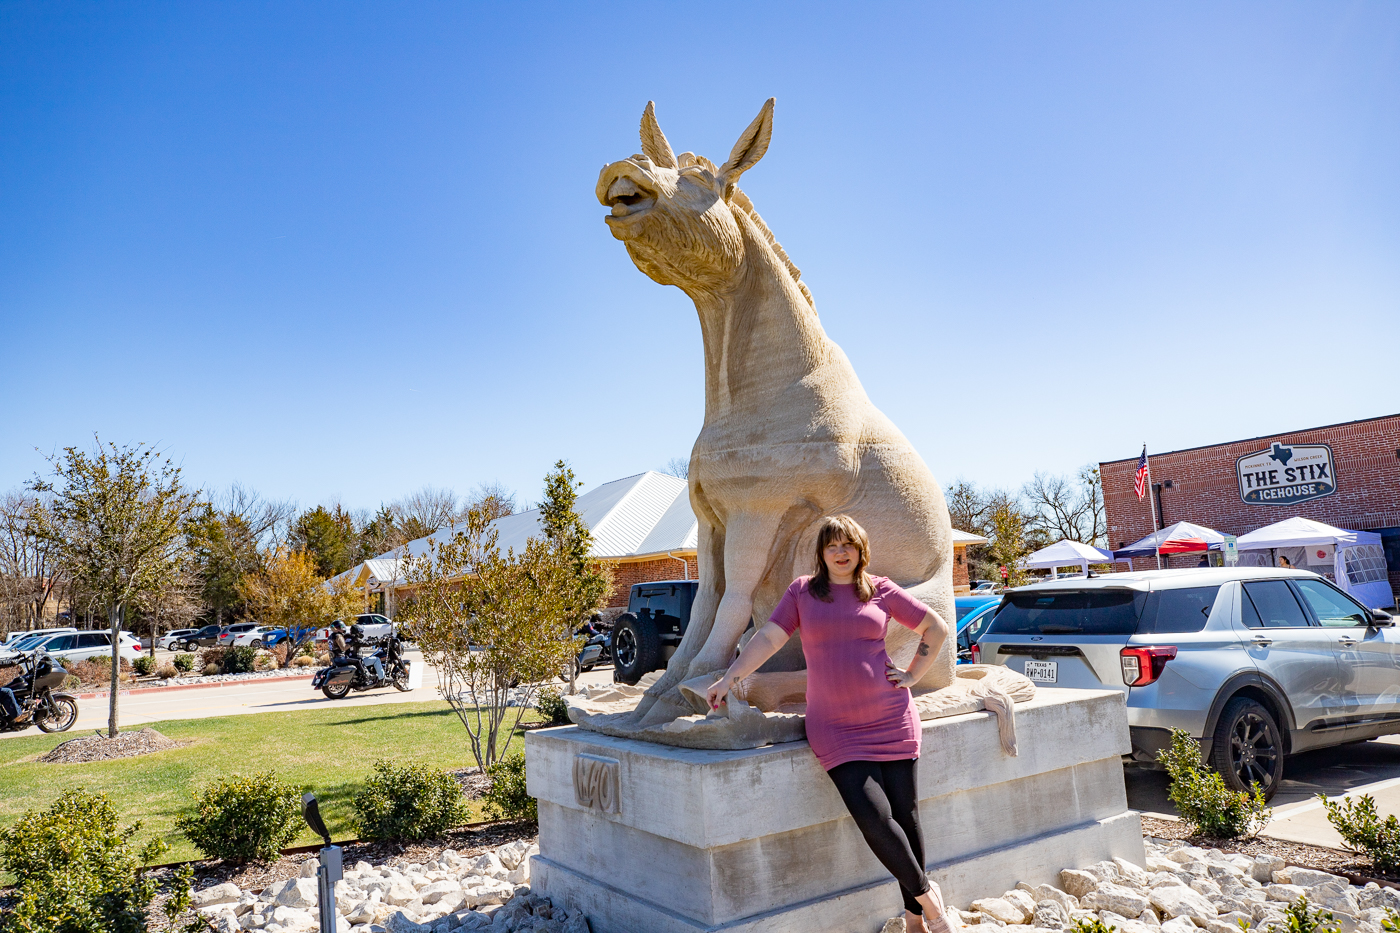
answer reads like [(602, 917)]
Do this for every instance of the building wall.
[(961, 582), (1204, 488)]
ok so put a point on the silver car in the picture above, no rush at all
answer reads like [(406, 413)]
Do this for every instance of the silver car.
[(1256, 663)]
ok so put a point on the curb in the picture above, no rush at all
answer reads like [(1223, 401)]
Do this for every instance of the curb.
[(223, 683)]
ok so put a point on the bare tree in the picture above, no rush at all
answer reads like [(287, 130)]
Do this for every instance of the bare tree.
[(27, 574), (267, 520), (678, 467), (1068, 508), (494, 500)]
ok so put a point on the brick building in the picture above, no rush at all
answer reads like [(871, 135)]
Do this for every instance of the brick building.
[(643, 528), (1355, 485)]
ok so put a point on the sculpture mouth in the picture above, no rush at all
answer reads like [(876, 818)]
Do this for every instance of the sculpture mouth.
[(628, 198)]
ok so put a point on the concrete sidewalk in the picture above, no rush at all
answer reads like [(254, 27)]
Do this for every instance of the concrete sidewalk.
[(1306, 821)]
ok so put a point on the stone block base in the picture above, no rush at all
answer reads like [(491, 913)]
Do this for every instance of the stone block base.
[(650, 839)]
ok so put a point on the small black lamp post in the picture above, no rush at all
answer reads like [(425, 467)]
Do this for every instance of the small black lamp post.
[(331, 863)]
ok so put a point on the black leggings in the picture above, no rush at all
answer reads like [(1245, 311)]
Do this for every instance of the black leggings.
[(883, 798)]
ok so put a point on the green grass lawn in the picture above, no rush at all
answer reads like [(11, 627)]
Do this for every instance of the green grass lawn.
[(328, 751)]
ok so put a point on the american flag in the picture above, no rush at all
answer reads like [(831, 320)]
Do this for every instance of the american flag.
[(1140, 478)]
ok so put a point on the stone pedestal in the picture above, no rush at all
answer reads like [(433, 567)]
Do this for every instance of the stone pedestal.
[(650, 839)]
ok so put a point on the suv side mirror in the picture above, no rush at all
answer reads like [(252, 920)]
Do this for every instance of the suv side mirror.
[(1379, 617)]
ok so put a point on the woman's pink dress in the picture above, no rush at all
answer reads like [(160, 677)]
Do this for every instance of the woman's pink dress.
[(853, 712)]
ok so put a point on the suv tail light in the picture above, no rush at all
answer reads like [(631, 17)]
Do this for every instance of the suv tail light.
[(976, 653), (1141, 666)]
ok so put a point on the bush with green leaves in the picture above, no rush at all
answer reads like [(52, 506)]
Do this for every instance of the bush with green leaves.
[(1202, 798), (1362, 830), (1301, 917), (144, 665), (507, 799), (243, 819), (75, 869), (242, 659), (408, 802), (184, 662), (552, 707)]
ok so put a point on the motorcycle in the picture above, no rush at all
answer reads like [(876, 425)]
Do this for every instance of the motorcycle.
[(596, 650), (348, 672), (40, 675)]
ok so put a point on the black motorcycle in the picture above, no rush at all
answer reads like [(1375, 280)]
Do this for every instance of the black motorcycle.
[(597, 649), (349, 672), (34, 689)]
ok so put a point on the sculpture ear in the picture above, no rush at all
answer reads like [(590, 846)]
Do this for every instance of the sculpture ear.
[(654, 144), (752, 144)]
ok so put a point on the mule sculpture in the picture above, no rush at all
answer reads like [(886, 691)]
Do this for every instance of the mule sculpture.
[(789, 433)]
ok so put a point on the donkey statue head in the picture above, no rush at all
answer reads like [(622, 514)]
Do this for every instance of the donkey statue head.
[(683, 220)]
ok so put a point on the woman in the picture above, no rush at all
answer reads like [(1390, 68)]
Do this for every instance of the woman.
[(861, 720)]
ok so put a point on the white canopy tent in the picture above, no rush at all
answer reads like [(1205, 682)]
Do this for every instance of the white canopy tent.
[(1354, 560), (1066, 554)]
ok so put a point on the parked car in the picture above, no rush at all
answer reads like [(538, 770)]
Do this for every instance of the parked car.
[(171, 641), (229, 636), (259, 636), (647, 634), (83, 646), (15, 637), (207, 637), (28, 640), (974, 612), (1257, 663)]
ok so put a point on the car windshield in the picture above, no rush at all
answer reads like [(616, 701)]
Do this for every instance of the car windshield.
[(1069, 612)]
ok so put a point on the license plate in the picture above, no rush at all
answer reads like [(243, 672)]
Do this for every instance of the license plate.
[(1042, 672)]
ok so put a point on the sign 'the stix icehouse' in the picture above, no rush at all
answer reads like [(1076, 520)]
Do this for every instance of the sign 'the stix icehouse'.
[(1286, 474)]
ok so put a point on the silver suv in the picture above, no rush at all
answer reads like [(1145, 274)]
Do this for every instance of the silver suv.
[(1257, 663)]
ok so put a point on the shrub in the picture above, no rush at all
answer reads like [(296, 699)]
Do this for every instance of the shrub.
[(144, 665), (210, 670), (408, 802), (75, 870), (184, 663), (1363, 830), (97, 670), (1202, 798), (166, 671), (552, 707), (242, 819), (1091, 926), (1302, 917), (264, 661), (240, 660), (304, 661), (507, 799), (212, 656)]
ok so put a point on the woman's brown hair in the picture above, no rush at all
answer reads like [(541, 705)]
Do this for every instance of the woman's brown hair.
[(833, 530)]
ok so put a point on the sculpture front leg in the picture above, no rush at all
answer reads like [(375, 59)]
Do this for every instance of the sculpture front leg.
[(748, 541)]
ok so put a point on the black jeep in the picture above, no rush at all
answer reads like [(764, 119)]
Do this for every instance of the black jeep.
[(646, 635)]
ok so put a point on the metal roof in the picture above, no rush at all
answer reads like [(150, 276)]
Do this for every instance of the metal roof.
[(638, 516)]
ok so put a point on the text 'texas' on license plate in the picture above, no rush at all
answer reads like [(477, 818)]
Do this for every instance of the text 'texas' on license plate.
[(1042, 672)]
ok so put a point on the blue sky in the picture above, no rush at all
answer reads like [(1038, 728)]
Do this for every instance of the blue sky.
[(347, 250)]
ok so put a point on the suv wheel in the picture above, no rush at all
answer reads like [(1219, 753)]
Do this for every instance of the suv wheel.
[(636, 648), (1247, 748)]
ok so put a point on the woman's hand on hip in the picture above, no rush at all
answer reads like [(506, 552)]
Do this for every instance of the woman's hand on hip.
[(898, 677)]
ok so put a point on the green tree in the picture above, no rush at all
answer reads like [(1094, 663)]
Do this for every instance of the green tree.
[(585, 582), (329, 536), (224, 550), (491, 624), (1009, 543), (115, 520)]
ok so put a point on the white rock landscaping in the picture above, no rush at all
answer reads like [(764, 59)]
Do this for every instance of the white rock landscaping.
[(490, 891), (1182, 889)]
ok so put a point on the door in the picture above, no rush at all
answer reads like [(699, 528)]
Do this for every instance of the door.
[(1298, 655), (91, 645), (1367, 656)]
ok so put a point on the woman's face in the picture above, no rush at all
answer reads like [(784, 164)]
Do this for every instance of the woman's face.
[(841, 559)]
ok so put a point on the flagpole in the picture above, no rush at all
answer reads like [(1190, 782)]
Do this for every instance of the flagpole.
[(1152, 503)]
